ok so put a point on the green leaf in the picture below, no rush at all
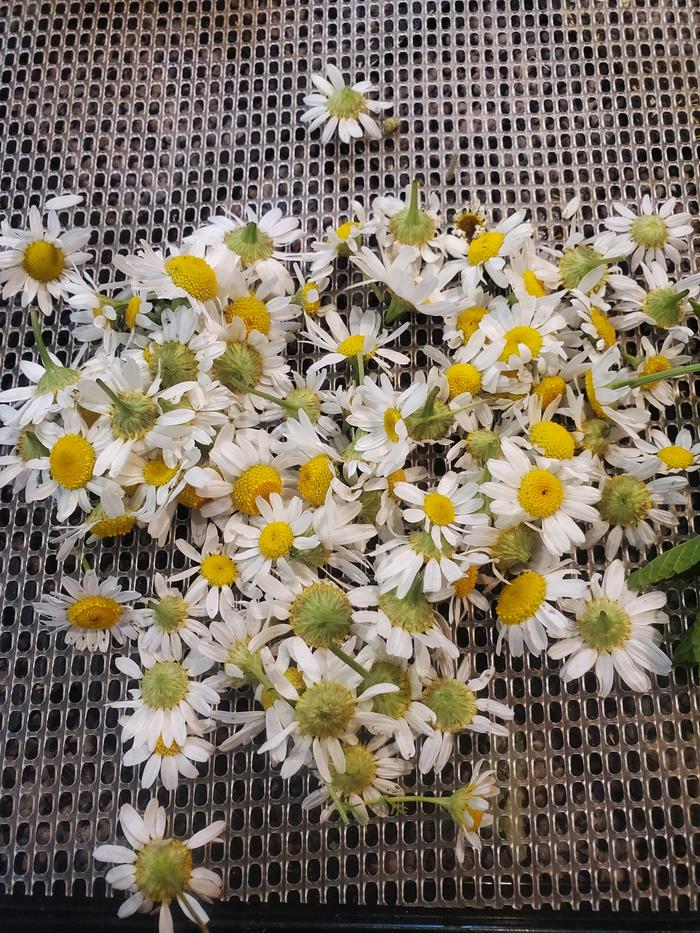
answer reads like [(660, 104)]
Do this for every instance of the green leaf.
[(688, 648), (695, 305), (669, 564)]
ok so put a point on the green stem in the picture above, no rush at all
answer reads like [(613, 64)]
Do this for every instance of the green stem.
[(351, 662), (112, 396), (413, 209), (339, 805), (86, 565), (360, 368), (250, 233), (48, 363), (396, 307), (251, 390), (193, 917), (415, 798), (656, 377)]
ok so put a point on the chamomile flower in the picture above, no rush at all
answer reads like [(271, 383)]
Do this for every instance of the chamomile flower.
[(464, 593), (662, 455), (310, 289), (487, 252), (444, 511), (95, 527), (388, 518), (591, 316), (464, 321), (469, 808), (655, 234), (371, 770), (178, 350), (249, 361), (530, 275), (157, 870), (659, 393), (18, 467), (402, 560), (237, 644), (379, 411), (605, 398), (662, 303), (403, 223), (169, 762), (457, 708), (171, 621), (168, 701), (547, 494), (216, 573), (470, 220), (343, 108), (362, 335), (260, 309), (92, 612), (612, 629), (527, 608), (527, 332), (316, 459), (342, 537), (41, 261), (341, 241), (628, 510)]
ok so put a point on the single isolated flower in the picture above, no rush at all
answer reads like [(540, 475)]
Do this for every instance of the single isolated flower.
[(344, 108)]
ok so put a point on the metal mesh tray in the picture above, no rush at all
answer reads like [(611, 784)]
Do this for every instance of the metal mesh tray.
[(162, 112)]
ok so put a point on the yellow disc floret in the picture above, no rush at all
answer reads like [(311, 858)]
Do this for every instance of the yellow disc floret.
[(193, 275), (391, 417), (113, 527), (252, 311), (468, 320), (521, 336), (485, 247), (190, 498), (603, 327), (533, 285), (540, 493), (520, 599), (43, 261), (276, 540), (592, 397), (133, 306), (352, 345), (655, 364), (315, 477), (167, 751), (310, 298), (218, 570), (676, 458), (554, 440), (156, 473), (71, 461), (438, 508), (463, 377), (465, 585), (259, 480), (346, 230), (549, 388), (94, 613), (398, 476)]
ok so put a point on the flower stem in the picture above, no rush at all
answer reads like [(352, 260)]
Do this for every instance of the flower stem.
[(112, 396), (396, 307), (415, 798), (413, 209), (250, 233), (351, 662), (41, 346), (656, 377), (86, 565), (360, 368)]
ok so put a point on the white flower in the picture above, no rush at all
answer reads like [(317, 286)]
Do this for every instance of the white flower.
[(461, 324), (469, 807), (405, 224), (41, 261), (380, 412), (403, 559), (171, 620), (342, 107), (530, 275), (362, 335), (260, 309), (157, 869), (457, 709), (445, 510), (655, 234), (527, 332), (92, 613), (342, 240), (548, 495), (342, 540), (663, 303), (168, 701), (659, 393), (486, 253), (179, 350), (613, 631), (527, 608), (236, 644), (605, 399), (170, 762), (389, 518), (662, 455)]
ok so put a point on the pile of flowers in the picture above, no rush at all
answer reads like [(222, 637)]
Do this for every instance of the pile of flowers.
[(327, 570)]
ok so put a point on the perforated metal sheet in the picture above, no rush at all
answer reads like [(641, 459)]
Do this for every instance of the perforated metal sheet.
[(161, 112)]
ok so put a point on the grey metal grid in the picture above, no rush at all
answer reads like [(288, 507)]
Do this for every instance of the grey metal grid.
[(161, 112)]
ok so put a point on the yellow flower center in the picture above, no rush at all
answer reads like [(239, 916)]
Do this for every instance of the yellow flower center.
[(554, 440), (156, 473), (533, 285), (398, 476), (252, 311), (71, 461), (259, 480), (603, 327), (485, 247), (43, 261), (190, 498), (219, 570), (94, 613), (315, 478), (463, 377), (591, 396), (655, 364), (276, 540), (468, 320), (132, 309), (167, 751), (310, 304), (521, 336), (549, 388), (438, 508), (113, 527), (346, 230), (193, 275), (391, 417), (352, 345), (676, 458), (521, 598), (465, 585), (540, 493), (467, 222)]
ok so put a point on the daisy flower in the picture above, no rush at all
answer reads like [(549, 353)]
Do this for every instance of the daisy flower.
[(157, 870), (166, 704), (463, 593), (216, 573), (171, 620), (547, 493), (41, 261), (405, 224), (92, 612), (309, 290), (605, 400), (170, 762), (108, 319), (469, 221), (628, 510), (18, 467), (654, 234), (458, 709), (315, 458), (445, 510), (526, 332), (591, 318), (527, 608), (178, 350), (662, 455), (363, 335), (379, 411), (530, 275), (660, 393), (260, 309), (249, 361), (342, 539), (613, 630), (342, 107), (342, 240), (469, 806), (94, 527), (403, 560), (473, 306), (487, 253), (371, 770), (257, 242), (237, 645), (662, 303), (389, 517)]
